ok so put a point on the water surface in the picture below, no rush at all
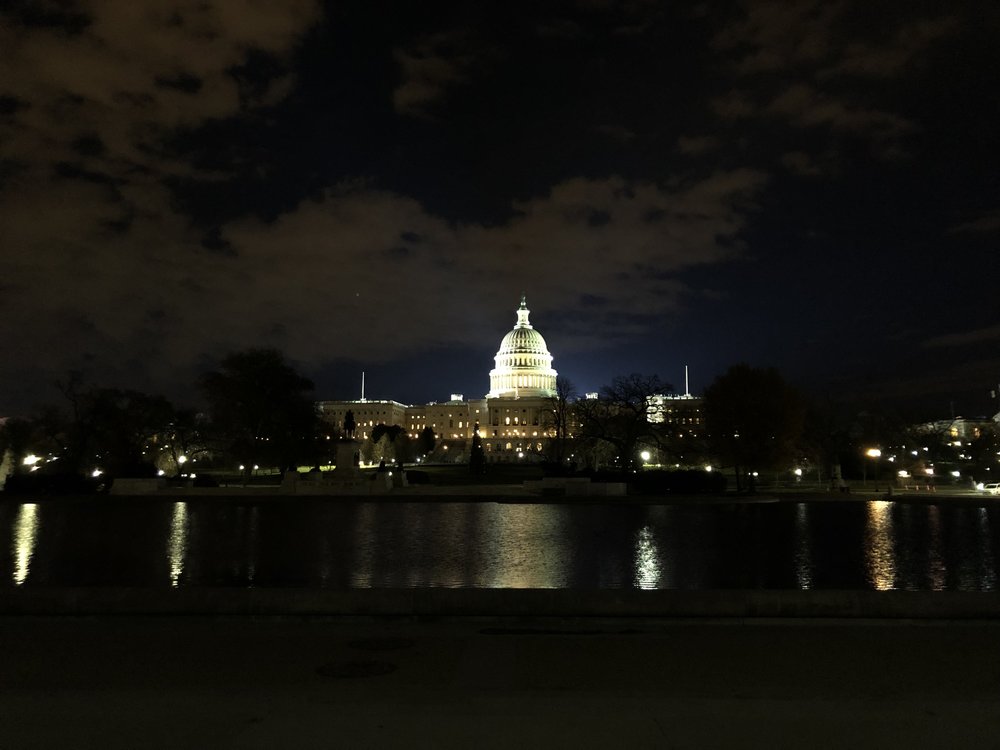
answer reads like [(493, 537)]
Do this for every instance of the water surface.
[(341, 544)]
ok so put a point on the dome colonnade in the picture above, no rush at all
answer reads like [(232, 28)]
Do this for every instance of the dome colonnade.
[(523, 365)]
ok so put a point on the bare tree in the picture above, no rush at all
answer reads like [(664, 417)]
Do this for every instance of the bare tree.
[(558, 419), (620, 415)]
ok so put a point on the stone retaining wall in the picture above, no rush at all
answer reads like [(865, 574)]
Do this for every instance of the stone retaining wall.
[(503, 602)]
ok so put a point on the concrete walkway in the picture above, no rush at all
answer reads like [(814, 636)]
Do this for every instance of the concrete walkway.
[(199, 682)]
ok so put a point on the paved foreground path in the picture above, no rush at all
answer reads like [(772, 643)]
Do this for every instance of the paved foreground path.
[(198, 682)]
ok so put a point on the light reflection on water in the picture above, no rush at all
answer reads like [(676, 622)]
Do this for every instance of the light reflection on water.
[(362, 566), (647, 560), (24, 541), (987, 567), (880, 557), (529, 549), (177, 543), (355, 544), (803, 551), (937, 569), (251, 534)]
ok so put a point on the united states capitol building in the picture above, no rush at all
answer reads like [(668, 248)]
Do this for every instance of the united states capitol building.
[(514, 418)]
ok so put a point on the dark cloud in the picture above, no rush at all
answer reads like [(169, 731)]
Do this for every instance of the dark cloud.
[(977, 336), (9, 105), (986, 224), (185, 82), (428, 69), (187, 180), (88, 145)]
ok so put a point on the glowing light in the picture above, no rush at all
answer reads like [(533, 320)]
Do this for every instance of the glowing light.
[(177, 542), (929, 472), (956, 474), (23, 544), (708, 467), (182, 459), (30, 460), (880, 556), (96, 473), (798, 472), (645, 456), (873, 453), (903, 473), (647, 560), (160, 473)]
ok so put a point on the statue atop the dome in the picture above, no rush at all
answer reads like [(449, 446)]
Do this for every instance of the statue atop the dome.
[(522, 313)]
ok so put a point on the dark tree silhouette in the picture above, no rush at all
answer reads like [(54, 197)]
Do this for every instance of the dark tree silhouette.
[(16, 436), (391, 430), (124, 425), (426, 441), (107, 428), (619, 417), (754, 420), (262, 411), (559, 419)]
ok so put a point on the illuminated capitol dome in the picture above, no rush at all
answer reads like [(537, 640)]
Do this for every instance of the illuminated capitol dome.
[(523, 363)]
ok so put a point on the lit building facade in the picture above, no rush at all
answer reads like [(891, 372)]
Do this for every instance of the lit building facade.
[(682, 413), (523, 365), (515, 418)]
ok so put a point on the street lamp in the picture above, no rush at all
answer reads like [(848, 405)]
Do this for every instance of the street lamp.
[(874, 454)]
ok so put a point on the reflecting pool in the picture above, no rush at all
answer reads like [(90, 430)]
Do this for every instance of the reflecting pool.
[(330, 543)]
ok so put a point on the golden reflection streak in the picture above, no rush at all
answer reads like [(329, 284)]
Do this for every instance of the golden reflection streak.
[(938, 571), (527, 536), (880, 557), (25, 538), (988, 573), (177, 542), (647, 560)]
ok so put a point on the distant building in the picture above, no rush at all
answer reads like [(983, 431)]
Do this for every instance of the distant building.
[(960, 428), (683, 413), (514, 417)]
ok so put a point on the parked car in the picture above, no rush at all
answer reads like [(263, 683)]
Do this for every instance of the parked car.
[(993, 488)]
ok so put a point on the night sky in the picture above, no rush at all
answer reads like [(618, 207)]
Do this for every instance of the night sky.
[(371, 186)]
